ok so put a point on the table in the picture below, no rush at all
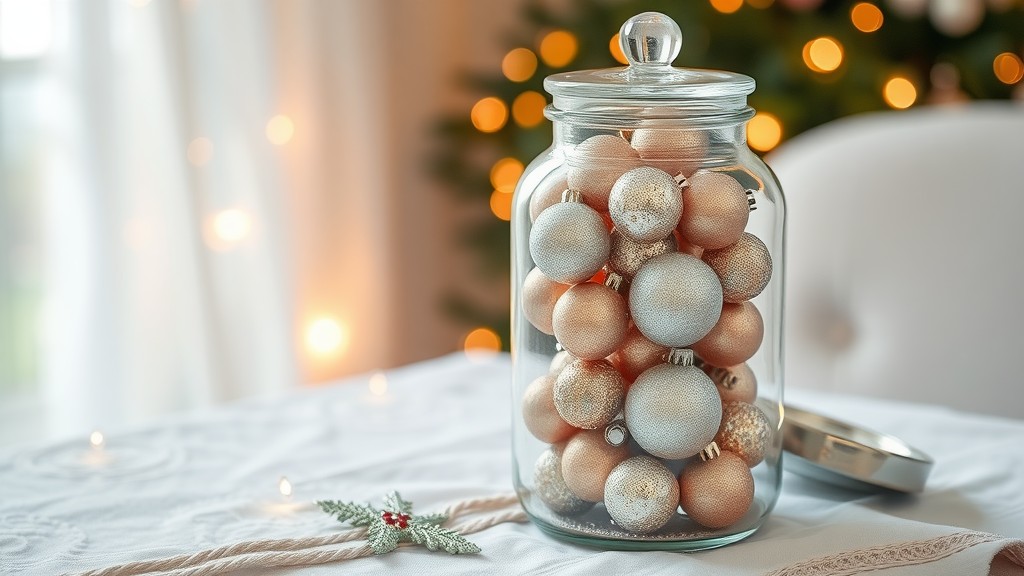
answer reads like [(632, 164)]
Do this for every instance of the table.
[(441, 434)]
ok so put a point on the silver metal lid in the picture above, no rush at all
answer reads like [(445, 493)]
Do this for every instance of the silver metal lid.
[(849, 456)]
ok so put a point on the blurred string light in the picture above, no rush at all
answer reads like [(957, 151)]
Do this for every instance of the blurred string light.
[(615, 47), (96, 439), (727, 6), (232, 226), (481, 343), (284, 486), (489, 114), (280, 130), (505, 174), (501, 205), (558, 48), (1008, 68), (519, 64), (764, 132), (899, 92), (528, 109), (866, 17), (824, 54), (199, 151), (378, 384), (325, 336)]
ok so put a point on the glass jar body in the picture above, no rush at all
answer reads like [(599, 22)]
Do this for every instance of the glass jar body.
[(562, 461)]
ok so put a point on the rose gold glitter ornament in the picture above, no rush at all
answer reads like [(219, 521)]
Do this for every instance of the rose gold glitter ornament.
[(745, 431), (735, 338), (539, 297), (596, 164), (550, 486), (590, 320), (569, 241), (687, 248), (744, 267), (716, 493), (637, 354), (641, 494), (715, 210), (734, 383), (645, 204), (671, 150), (539, 413), (587, 461), (628, 256), (675, 299), (589, 394), (544, 198), (561, 360)]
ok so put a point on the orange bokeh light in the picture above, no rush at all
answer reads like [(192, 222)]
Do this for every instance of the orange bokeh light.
[(727, 6), (764, 132), (866, 17), (615, 47), (899, 93), (558, 48), (823, 54), (1008, 68), (489, 114), (519, 64), (528, 109)]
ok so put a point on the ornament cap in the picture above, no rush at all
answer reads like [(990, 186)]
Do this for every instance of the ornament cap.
[(569, 195), (710, 452), (616, 433), (680, 356)]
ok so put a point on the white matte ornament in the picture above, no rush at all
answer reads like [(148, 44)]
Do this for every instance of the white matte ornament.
[(673, 411), (569, 242), (641, 494), (675, 299), (596, 164), (645, 204)]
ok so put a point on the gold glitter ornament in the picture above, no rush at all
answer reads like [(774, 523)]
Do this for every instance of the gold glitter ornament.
[(550, 486), (734, 383), (671, 150), (595, 165), (745, 431), (641, 494), (569, 242), (715, 210), (544, 198), (627, 256), (645, 204), (637, 354), (675, 299), (744, 268), (716, 493), (735, 338), (539, 413), (673, 411), (587, 461), (589, 393), (539, 295), (590, 320)]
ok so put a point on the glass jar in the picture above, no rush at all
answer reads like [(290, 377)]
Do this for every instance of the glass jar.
[(647, 291)]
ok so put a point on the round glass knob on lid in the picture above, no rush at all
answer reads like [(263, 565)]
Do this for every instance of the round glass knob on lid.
[(650, 39)]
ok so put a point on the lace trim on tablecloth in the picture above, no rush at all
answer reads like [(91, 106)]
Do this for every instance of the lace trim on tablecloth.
[(896, 555)]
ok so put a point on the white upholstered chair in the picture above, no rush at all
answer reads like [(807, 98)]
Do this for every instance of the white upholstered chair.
[(905, 256)]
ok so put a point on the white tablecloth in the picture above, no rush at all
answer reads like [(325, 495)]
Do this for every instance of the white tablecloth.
[(440, 435)]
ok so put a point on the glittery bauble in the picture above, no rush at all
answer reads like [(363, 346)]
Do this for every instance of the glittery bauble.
[(671, 150), (673, 411), (716, 493), (735, 337), (587, 461), (687, 248), (641, 494), (628, 256), (596, 164), (590, 320), (637, 354), (744, 268), (561, 360), (745, 431), (569, 242), (539, 413), (715, 210), (735, 383), (550, 486), (645, 204), (539, 296), (589, 394), (546, 197), (675, 299)]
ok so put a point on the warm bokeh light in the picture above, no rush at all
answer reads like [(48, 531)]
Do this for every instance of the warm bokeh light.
[(823, 54), (96, 439), (761, 4), (200, 151), (232, 225), (615, 47), (489, 114), (1008, 67), (501, 205), (727, 6), (378, 384), (764, 131), (519, 64), (325, 337), (528, 109), (482, 341), (899, 92), (505, 174), (284, 486), (558, 48), (280, 130), (866, 17)]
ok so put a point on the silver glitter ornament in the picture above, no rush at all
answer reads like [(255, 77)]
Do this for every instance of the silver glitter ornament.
[(589, 394), (569, 242), (550, 486), (673, 411), (675, 299), (627, 256), (645, 204), (641, 494)]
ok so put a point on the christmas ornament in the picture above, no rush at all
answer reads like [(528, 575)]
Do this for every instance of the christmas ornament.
[(675, 299), (735, 338), (637, 354), (673, 410), (561, 360), (716, 493), (627, 256), (596, 164), (587, 461), (744, 431), (645, 204), (539, 297), (716, 210), (641, 494), (539, 413), (671, 150), (589, 393), (550, 486), (744, 268), (687, 248), (590, 320), (396, 523), (569, 241), (546, 197), (734, 383)]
